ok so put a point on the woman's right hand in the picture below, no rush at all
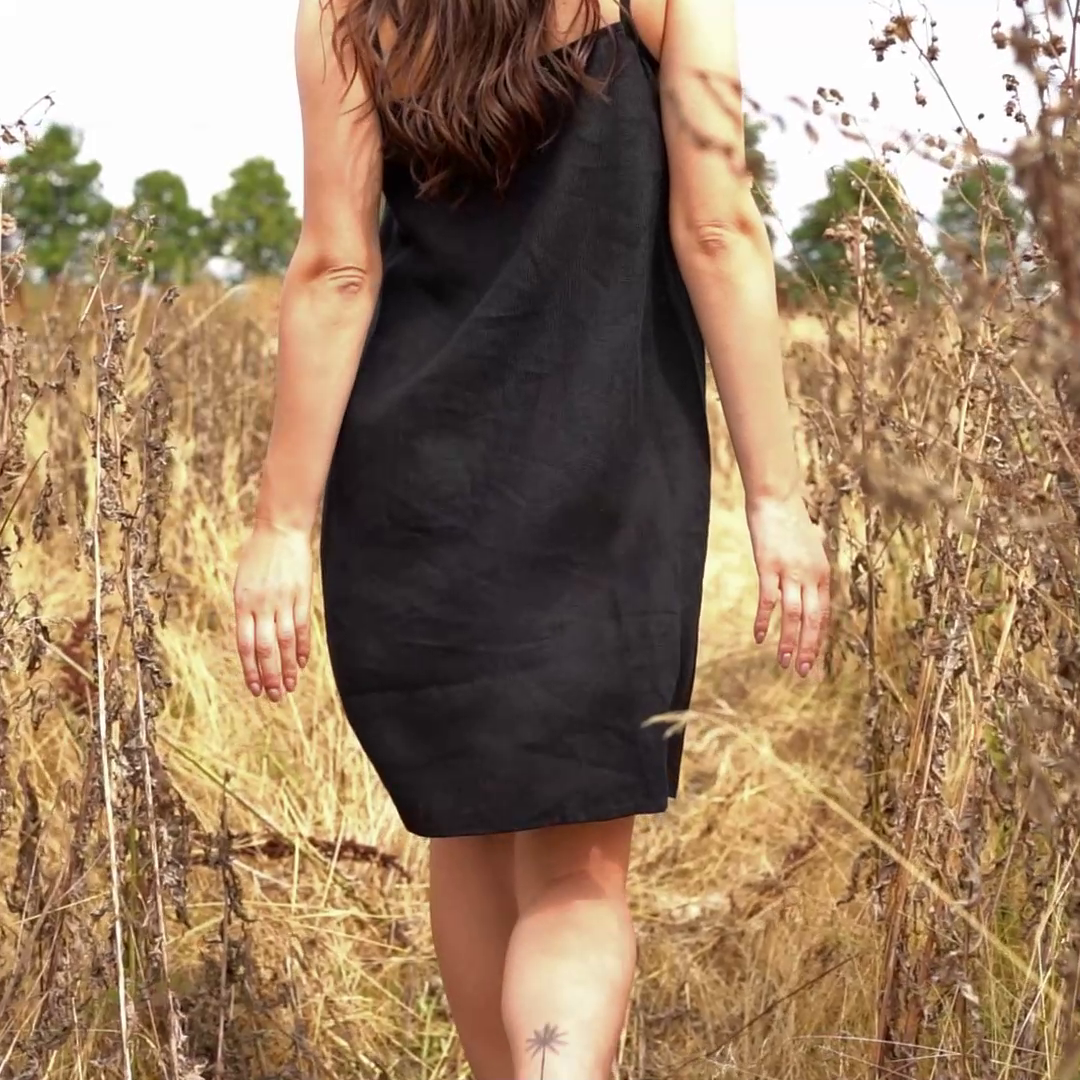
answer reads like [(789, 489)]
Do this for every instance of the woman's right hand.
[(272, 598), (793, 570)]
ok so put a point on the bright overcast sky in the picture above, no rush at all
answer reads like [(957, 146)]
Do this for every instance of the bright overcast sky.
[(199, 86)]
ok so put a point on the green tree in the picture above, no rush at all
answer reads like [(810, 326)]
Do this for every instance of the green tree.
[(182, 237), (978, 219), (56, 200), (859, 188), (254, 219)]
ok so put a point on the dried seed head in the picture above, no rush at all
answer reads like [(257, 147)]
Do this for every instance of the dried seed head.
[(900, 27)]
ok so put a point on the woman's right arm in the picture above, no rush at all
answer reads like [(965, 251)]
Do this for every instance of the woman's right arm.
[(726, 260)]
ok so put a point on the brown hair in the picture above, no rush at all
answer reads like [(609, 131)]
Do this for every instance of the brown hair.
[(468, 88)]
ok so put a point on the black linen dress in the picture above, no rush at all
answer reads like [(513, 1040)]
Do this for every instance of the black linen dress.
[(514, 525)]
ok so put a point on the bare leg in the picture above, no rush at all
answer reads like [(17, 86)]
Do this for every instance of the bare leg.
[(571, 959), (472, 915)]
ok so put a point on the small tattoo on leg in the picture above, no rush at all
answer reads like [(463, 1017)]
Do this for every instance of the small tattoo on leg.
[(544, 1041)]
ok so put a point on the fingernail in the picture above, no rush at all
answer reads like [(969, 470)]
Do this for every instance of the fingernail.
[(785, 659), (273, 695), (804, 668), (254, 687), (759, 636), (290, 685)]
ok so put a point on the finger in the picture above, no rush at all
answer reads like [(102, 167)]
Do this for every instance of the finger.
[(245, 649), (286, 640), (791, 621), (266, 652), (825, 601), (302, 622), (768, 597), (809, 631)]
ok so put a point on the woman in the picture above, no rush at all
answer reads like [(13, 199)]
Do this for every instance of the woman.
[(516, 477)]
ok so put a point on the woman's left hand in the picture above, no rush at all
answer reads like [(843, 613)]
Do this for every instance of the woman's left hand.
[(272, 598)]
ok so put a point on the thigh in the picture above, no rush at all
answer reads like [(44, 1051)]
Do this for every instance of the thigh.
[(466, 864)]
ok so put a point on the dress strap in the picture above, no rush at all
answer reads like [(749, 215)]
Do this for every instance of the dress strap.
[(626, 19)]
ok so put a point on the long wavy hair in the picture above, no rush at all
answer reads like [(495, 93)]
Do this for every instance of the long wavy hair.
[(467, 88)]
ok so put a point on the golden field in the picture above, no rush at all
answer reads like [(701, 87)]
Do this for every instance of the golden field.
[(735, 888), (866, 874)]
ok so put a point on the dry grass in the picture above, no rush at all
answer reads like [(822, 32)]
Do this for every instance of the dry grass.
[(335, 973), (870, 875)]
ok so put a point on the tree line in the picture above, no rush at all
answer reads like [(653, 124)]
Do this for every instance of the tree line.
[(57, 201), (980, 223)]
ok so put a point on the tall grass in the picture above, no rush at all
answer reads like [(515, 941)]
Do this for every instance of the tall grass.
[(872, 875)]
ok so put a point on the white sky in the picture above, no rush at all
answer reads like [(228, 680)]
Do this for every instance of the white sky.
[(200, 85)]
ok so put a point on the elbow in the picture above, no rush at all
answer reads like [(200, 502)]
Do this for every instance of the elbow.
[(731, 237), (713, 239), (330, 294), (334, 272), (350, 279)]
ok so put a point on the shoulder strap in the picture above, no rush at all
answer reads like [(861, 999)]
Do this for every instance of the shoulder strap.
[(627, 21)]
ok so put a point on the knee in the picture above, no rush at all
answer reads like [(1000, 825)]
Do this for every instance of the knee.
[(577, 888), (574, 863)]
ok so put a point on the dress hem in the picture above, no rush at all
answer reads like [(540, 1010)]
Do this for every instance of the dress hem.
[(547, 820)]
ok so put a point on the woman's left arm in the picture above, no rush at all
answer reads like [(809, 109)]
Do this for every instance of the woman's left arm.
[(327, 304)]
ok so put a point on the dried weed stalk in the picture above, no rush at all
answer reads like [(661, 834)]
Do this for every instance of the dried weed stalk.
[(99, 848), (95, 872), (945, 456)]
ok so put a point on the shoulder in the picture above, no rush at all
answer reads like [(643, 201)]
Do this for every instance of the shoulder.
[(711, 21)]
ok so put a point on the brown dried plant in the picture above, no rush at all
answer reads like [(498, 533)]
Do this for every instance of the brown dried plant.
[(103, 969), (944, 447)]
